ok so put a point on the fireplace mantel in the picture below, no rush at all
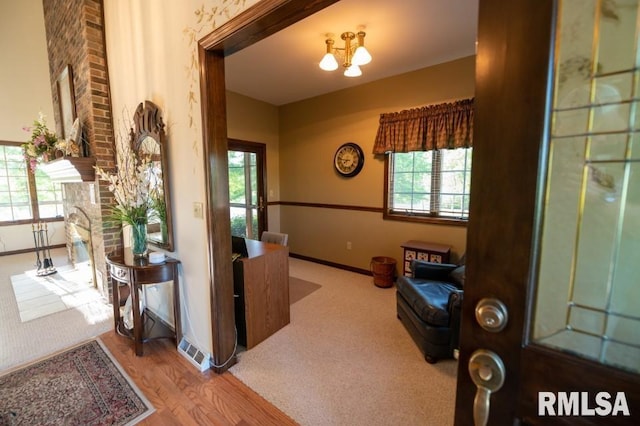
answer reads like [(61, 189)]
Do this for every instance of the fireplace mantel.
[(70, 169)]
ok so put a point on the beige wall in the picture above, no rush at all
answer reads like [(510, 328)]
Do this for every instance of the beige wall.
[(26, 91), (256, 121), (312, 130)]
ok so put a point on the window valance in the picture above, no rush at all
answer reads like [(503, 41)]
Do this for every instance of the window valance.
[(442, 126)]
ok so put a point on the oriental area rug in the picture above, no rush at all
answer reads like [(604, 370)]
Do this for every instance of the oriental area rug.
[(80, 386)]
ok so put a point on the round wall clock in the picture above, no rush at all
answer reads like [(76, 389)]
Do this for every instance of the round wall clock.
[(349, 159)]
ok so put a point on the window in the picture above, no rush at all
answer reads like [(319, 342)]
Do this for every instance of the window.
[(424, 185), (25, 197), (243, 194)]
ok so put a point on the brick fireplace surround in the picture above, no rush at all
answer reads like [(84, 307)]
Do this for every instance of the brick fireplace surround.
[(75, 36)]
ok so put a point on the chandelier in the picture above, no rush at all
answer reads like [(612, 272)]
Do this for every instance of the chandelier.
[(354, 54)]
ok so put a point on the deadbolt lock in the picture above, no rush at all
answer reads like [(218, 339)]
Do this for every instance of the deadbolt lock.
[(492, 314)]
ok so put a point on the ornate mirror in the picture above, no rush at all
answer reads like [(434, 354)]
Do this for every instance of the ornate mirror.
[(148, 141)]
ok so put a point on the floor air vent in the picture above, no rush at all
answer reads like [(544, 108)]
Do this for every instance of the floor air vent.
[(194, 355)]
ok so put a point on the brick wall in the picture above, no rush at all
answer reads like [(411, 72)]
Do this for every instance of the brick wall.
[(75, 36)]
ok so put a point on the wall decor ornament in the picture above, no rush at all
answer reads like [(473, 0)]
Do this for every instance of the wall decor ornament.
[(349, 159), (206, 20), (66, 101)]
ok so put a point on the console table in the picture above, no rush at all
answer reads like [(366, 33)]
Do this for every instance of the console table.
[(436, 253), (136, 273)]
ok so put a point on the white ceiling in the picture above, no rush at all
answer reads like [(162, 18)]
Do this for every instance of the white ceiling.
[(402, 36)]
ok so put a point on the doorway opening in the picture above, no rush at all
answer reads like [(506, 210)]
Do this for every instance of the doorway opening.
[(247, 183), (264, 19)]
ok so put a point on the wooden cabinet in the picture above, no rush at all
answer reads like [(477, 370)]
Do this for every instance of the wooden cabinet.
[(261, 291), (132, 274), (431, 252)]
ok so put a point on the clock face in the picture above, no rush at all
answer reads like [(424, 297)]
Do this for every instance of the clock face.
[(349, 159)]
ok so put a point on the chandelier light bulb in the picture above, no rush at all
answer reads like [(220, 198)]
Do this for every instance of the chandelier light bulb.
[(352, 55), (353, 71), (361, 56), (329, 62)]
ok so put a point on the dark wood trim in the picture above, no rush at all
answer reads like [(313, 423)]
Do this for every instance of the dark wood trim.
[(214, 130), (512, 75), (30, 250), (386, 216), (329, 206), (332, 264), (256, 23), (263, 19)]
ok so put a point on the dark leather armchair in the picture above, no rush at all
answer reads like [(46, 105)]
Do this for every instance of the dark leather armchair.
[(429, 304)]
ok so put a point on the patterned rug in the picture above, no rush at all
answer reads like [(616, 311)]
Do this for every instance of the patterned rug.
[(81, 386)]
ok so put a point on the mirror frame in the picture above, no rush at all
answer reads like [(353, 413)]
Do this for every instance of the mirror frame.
[(148, 123)]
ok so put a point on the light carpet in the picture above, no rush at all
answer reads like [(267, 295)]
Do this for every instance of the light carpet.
[(22, 342), (38, 296), (345, 359), (83, 385)]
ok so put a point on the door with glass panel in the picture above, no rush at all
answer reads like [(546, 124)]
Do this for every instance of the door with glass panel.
[(551, 314), (247, 182)]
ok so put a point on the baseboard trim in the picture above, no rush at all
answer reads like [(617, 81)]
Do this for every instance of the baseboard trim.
[(332, 264), (29, 250)]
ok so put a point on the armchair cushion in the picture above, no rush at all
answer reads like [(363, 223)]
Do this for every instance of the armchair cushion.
[(431, 271), (428, 299), (457, 276)]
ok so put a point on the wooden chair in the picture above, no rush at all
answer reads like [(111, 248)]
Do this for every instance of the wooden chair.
[(275, 238)]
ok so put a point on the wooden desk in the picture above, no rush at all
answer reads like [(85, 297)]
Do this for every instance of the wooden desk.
[(261, 287), (135, 273)]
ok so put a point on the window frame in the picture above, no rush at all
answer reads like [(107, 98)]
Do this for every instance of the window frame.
[(33, 198), (388, 214)]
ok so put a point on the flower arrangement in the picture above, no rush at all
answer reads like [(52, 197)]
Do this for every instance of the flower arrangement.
[(131, 185), (42, 145)]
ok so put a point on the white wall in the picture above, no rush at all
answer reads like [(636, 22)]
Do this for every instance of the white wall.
[(26, 91), (152, 54), (24, 75)]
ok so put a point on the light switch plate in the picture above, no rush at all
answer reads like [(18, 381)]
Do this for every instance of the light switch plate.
[(197, 210)]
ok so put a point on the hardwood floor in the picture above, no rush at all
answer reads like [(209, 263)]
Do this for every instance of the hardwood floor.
[(184, 396)]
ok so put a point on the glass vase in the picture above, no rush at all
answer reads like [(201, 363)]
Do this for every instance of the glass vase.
[(139, 239)]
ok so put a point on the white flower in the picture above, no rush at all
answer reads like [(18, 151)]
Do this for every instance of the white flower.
[(131, 186)]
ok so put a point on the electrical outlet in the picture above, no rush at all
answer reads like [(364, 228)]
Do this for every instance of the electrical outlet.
[(348, 245), (197, 210)]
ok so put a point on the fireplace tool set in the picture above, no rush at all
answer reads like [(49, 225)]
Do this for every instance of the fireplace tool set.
[(40, 237)]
